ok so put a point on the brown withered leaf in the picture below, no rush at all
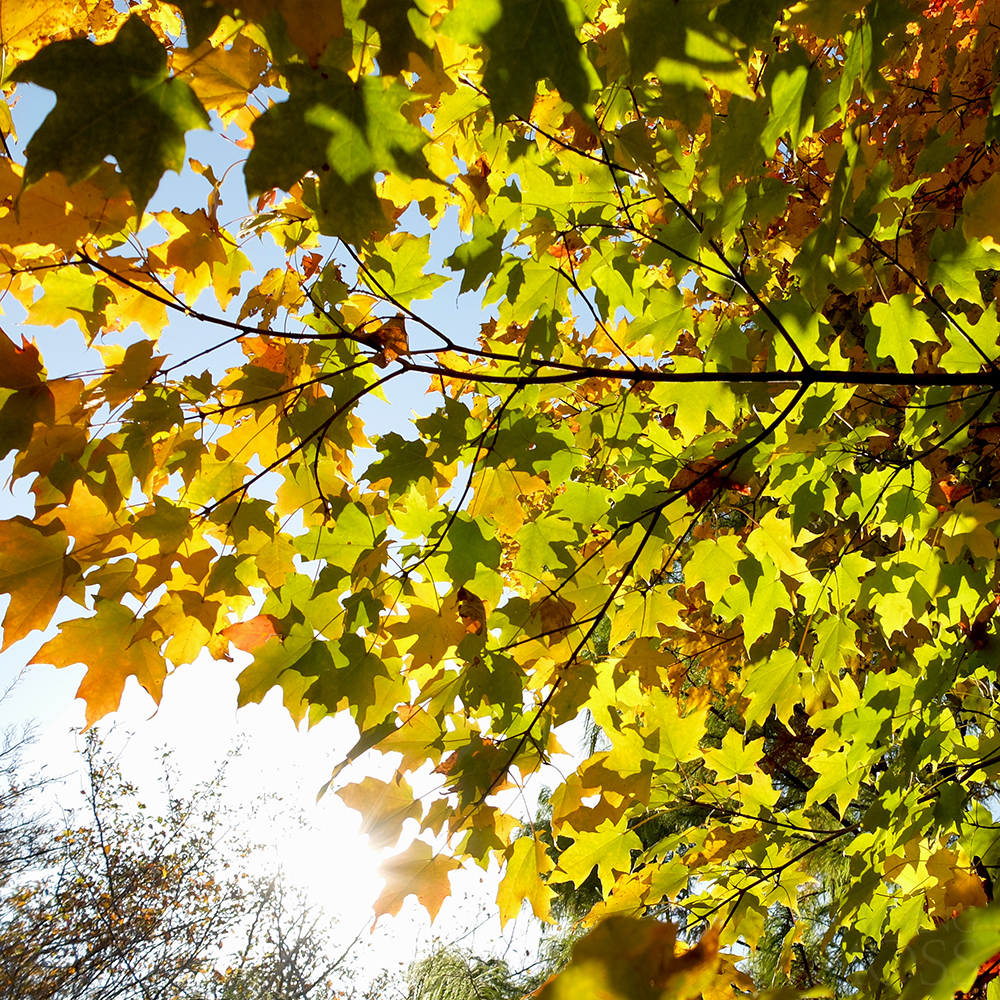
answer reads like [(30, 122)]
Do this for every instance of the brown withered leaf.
[(472, 611), (391, 340), (20, 367)]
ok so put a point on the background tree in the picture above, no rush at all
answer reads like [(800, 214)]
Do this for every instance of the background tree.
[(286, 952), (455, 974), (118, 901), (719, 469), (25, 837)]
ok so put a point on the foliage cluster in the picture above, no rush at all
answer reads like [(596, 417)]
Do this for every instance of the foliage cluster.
[(719, 469)]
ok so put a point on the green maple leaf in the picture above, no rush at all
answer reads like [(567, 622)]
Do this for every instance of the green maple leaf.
[(111, 100), (896, 326), (960, 946), (393, 22), (683, 46), (70, 294), (795, 88), (528, 41), (397, 268), (956, 262), (344, 132)]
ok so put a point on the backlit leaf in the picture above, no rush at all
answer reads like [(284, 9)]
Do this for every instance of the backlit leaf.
[(419, 872), (113, 654), (115, 99), (33, 566)]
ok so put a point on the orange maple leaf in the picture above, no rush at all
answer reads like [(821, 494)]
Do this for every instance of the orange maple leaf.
[(250, 634)]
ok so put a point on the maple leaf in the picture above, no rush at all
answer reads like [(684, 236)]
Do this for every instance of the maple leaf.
[(53, 214), (390, 339), (397, 38), (966, 942), (342, 130), (222, 76), (113, 654), (253, 633), (20, 367), (115, 99), (27, 27), (309, 26), (608, 848), (385, 806), (33, 567), (131, 373), (472, 611), (527, 865), (428, 633), (528, 40), (419, 872), (629, 959)]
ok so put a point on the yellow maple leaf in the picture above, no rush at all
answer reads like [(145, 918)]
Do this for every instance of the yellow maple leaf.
[(419, 872), (28, 25), (527, 863), (429, 633), (965, 526), (625, 957), (132, 368), (113, 653), (32, 572), (385, 806), (193, 248), (50, 214), (498, 495), (222, 77), (310, 25)]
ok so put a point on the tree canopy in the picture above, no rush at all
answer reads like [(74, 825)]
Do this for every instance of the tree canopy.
[(718, 470)]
